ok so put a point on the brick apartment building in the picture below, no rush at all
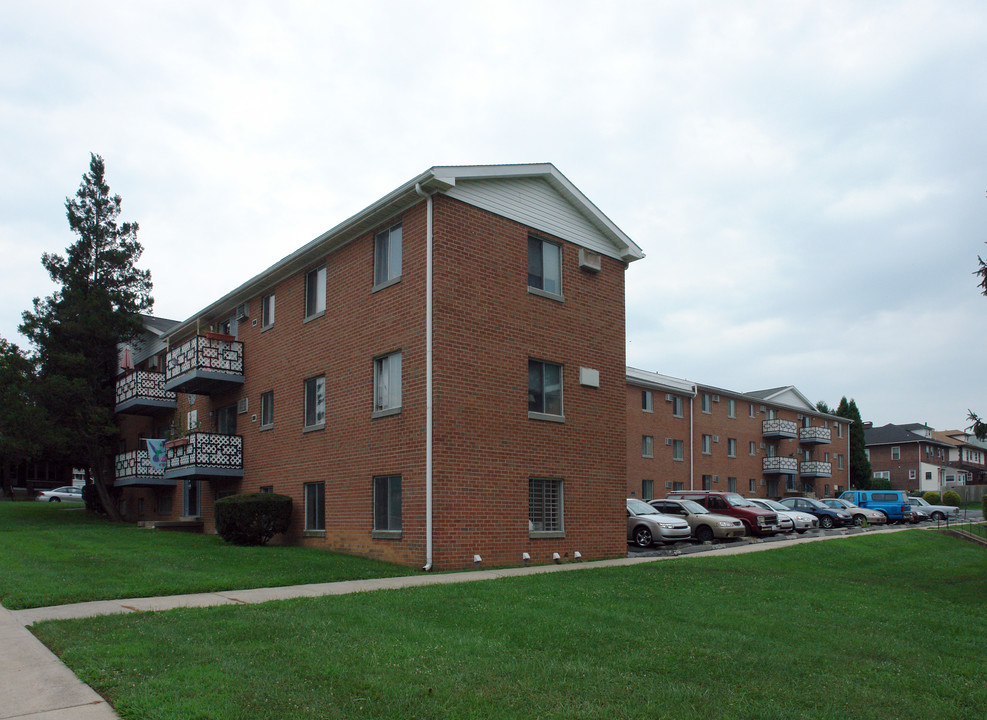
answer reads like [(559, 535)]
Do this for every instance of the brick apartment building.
[(908, 455), (438, 377), (683, 435), (966, 459)]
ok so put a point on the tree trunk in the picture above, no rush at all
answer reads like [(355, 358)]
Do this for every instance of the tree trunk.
[(8, 490), (97, 473)]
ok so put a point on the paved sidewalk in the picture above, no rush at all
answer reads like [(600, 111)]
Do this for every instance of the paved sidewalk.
[(35, 685)]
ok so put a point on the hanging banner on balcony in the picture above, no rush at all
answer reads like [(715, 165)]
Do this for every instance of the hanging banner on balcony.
[(157, 455)]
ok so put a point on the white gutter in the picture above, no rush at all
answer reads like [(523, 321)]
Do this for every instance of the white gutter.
[(428, 377)]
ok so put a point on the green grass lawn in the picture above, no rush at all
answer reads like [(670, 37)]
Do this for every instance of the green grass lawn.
[(876, 626), (52, 554), (972, 528)]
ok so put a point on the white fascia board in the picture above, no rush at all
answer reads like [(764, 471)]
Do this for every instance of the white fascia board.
[(657, 381)]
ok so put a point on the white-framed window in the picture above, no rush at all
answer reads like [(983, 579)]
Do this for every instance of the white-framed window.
[(752, 448), (731, 408), (676, 406), (839, 461), (647, 489), (825, 457), (267, 311), (707, 403), (315, 292), (678, 449), (387, 255), (731, 447), (752, 486), (647, 446), (750, 410), (867, 454), (707, 482), (911, 474), (267, 409), (732, 484), (315, 402), (544, 388), (928, 475), (544, 266), (387, 383), (647, 401), (387, 503), (707, 444), (315, 506), (545, 506), (839, 429), (895, 452)]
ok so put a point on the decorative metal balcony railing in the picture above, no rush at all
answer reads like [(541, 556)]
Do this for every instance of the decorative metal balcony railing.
[(205, 455), (779, 428), (816, 468), (204, 364), (143, 393), (779, 465), (814, 435), (134, 468)]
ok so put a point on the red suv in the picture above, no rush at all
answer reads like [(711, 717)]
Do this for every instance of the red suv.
[(757, 521)]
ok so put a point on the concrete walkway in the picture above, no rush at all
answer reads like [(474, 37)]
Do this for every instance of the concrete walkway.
[(35, 685)]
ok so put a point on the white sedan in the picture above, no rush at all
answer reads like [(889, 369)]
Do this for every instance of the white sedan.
[(935, 512), (66, 493), (873, 517), (802, 521)]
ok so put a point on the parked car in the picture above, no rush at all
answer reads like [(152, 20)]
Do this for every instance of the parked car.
[(705, 525), (756, 520), (919, 515), (859, 514), (935, 512), (892, 503), (828, 517), (645, 525), (801, 521), (66, 493)]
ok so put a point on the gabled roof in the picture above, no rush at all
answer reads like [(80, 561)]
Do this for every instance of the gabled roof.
[(787, 395), (558, 208), (892, 434)]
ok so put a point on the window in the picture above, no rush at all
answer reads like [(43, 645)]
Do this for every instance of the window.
[(315, 402), (647, 489), (707, 403), (267, 311), (387, 256), (678, 449), (544, 388), (752, 448), (315, 292), (267, 489), (387, 504), (928, 475), (676, 406), (163, 504), (895, 452), (267, 409), (731, 408), (707, 444), (387, 384), (707, 482), (545, 506), (731, 447), (647, 403), (750, 410), (678, 486), (752, 486), (825, 457), (911, 474), (867, 454), (839, 461), (790, 483), (647, 446), (190, 498), (732, 484), (839, 429), (315, 506), (544, 266)]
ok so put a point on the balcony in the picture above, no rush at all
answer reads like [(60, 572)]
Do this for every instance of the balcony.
[(134, 468), (777, 428), (779, 465), (143, 393), (204, 456), (205, 364), (814, 435), (815, 468)]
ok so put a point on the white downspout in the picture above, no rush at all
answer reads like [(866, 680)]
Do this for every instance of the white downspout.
[(428, 377), (692, 444)]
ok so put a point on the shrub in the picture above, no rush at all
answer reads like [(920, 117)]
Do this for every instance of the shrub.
[(932, 498), (252, 519), (983, 505), (951, 497), (880, 484)]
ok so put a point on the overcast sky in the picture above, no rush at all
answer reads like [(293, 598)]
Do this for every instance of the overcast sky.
[(807, 179)]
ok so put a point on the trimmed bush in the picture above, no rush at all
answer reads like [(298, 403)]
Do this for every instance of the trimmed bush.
[(932, 498), (983, 505), (951, 497), (252, 519)]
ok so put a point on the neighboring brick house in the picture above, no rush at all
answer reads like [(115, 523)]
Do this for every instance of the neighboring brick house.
[(768, 443), (967, 457), (907, 455), (378, 375)]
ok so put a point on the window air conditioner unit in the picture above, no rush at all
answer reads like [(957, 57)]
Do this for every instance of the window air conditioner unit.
[(716, 478), (668, 397), (799, 416), (241, 406), (242, 311), (716, 398), (762, 446), (668, 441), (763, 409), (668, 484), (716, 438)]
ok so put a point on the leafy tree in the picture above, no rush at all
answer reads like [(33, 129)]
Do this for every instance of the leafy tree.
[(860, 469), (979, 425), (20, 417), (75, 330)]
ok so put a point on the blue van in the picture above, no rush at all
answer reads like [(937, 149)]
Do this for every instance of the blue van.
[(892, 503)]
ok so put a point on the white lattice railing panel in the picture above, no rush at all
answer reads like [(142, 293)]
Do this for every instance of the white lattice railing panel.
[(135, 463), (815, 434), (205, 352), (144, 385), (208, 450), (780, 464)]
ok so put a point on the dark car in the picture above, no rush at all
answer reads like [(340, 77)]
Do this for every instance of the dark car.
[(828, 517), (756, 520)]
